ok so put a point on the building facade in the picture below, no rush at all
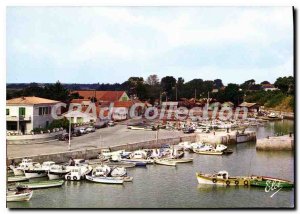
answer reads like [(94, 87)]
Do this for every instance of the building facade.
[(23, 114)]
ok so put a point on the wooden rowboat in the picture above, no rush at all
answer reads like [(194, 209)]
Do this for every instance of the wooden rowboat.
[(181, 160), (165, 162), (105, 180), (39, 184), (16, 179), (18, 196)]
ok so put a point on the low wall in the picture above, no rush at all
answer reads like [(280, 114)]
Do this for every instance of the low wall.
[(226, 138), (276, 143), (93, 153), (31, 139)]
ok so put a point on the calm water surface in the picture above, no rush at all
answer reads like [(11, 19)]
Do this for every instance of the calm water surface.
[(169, 187)]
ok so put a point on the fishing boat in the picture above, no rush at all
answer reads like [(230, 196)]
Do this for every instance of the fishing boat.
[(222, 178), (181, 160), (39, 184), (57, 172), (78, 172), (17, 178), (271, 183), (35, 171), (25, 164), (101, 171), (139, 154), (166, 162), (118, 172), (18, 195), (121, 164), (185, 145), (220, 147), (105, 180)]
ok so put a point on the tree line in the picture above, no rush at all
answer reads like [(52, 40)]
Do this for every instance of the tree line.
[(152, 88)]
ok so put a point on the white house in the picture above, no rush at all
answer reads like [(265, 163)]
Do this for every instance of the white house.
[(23, 114)]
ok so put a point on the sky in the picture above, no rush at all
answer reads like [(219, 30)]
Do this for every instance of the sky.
[(111, 44)]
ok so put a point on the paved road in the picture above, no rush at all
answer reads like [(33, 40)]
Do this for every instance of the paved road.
[(105, 137)]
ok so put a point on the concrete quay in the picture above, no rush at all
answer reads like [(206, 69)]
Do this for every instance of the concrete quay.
[(285, 142), (226, 138)]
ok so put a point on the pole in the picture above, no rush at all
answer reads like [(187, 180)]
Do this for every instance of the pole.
[(176, 92), (69, 147), (195, 93)]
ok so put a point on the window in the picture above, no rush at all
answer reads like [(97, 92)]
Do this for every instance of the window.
[(7, 111), (40, 111), (44, 110), (22, 111)]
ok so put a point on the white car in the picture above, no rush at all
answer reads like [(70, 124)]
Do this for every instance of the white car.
[(82, 130), (90, 129)]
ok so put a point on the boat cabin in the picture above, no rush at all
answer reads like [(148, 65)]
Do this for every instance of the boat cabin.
[(222, 175)]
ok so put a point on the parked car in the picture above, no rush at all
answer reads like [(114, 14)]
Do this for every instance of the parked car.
[(101, 124), (82, 130), (90, 129), (111, 123), (188, 130), (76, 133), (64, 137)]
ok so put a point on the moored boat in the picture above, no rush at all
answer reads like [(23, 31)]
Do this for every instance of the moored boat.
[(105, 180), (271, 183), (19, 196), (39, 184), (17, 178), (57, 172), (222, 178), (166, 162), (181, 160)]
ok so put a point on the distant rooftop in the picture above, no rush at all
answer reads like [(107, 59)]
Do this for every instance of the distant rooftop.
[(30, 101)]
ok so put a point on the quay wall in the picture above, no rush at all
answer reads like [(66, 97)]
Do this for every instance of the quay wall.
[(226, 138), (92, 153), (278, 143)]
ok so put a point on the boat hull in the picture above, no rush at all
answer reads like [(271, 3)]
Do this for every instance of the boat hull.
[(19, 197), (35, 174), (165, 162), (208, 152), (105, 180), (55, 176), (16, 179), (39, 185), (270, 183), (239, 181)]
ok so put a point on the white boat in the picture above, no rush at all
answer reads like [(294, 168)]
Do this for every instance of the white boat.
[(220, 148), (105, 180), (146, 161), (19, 170), (37, 170), (116, 158), (19, 196), (139, 154), (57, 172), (16, 178), (166, 162), (118, 172), (78, 172), (185, 145), (101, 171)]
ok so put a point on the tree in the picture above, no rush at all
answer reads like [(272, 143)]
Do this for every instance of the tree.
[(167, 83), (152, 80), (285, 84), (57, 92), (218, 83), (247, 84), (265, 82)]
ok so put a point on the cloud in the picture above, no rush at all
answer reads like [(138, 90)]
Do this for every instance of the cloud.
[(140, 39)]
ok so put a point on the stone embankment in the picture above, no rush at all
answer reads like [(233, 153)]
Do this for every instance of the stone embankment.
[(279, 143)]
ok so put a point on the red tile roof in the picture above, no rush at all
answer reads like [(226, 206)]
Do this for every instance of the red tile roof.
[(101, 95)]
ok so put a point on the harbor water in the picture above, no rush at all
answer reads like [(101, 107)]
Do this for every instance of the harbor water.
[(157, 186)]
